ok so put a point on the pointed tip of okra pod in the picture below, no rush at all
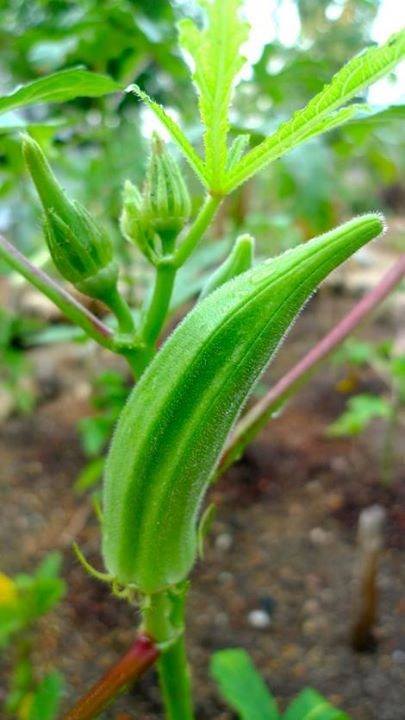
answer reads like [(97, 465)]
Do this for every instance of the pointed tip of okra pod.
[(373, 222), (351, 235)]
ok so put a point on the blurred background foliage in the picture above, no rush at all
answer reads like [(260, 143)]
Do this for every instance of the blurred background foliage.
[(94, 144)]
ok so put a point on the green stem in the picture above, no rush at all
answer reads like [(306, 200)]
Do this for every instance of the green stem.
[(175, 682), (166, 272), (197, 229), (69, 306), (164, 620), (159, 304), (119, 306)]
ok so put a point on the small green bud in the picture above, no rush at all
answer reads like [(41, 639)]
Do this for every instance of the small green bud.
[(238, 261), (80, 250), (166, 196), (134, 222)]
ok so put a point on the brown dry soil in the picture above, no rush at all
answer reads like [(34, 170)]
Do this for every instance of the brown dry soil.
[(284, 541)]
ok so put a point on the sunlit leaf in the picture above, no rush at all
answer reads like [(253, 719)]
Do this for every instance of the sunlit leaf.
[(59, 87), (318, 116), (216, 53), (175, 131)]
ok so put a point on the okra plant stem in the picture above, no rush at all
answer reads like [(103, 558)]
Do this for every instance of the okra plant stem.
[(159, 304), (197, 229), (119, 306), (141, 655), (166, 272), (175, 681), (164, 620), (67, 304)]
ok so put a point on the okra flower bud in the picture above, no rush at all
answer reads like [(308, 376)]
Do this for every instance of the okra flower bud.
[(166, 196), (80, 249), (135, 224), (238, 261)]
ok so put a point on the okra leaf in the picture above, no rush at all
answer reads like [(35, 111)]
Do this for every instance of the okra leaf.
[(175, 131), (59, 87), (310, 705), (241, 685), (216, 54), (318, 116)]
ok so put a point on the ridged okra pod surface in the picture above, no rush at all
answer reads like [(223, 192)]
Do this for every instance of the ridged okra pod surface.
[(172, 430)]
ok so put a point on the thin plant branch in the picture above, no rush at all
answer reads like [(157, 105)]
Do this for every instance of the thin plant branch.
[(258, 416), (72, 308), (141, 655), (197, 229)]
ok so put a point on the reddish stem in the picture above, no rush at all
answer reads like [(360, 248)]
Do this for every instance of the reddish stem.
[(134, 663), (256, 418)]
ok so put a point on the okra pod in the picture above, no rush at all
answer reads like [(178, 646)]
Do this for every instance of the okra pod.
[(171, 432)]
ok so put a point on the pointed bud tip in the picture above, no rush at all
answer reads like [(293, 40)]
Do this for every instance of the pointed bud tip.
[(158, 145), (29, 146), (246, 240)]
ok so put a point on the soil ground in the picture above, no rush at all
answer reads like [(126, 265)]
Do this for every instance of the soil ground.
[(284, 541)]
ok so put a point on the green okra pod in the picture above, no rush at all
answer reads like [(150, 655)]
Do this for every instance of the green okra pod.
[(172, 431)]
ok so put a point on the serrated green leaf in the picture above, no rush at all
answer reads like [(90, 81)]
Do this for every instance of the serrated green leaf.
[(242, 686), (319, 115), (59, 87), (217, 58), (310, 705), (175, 131)]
